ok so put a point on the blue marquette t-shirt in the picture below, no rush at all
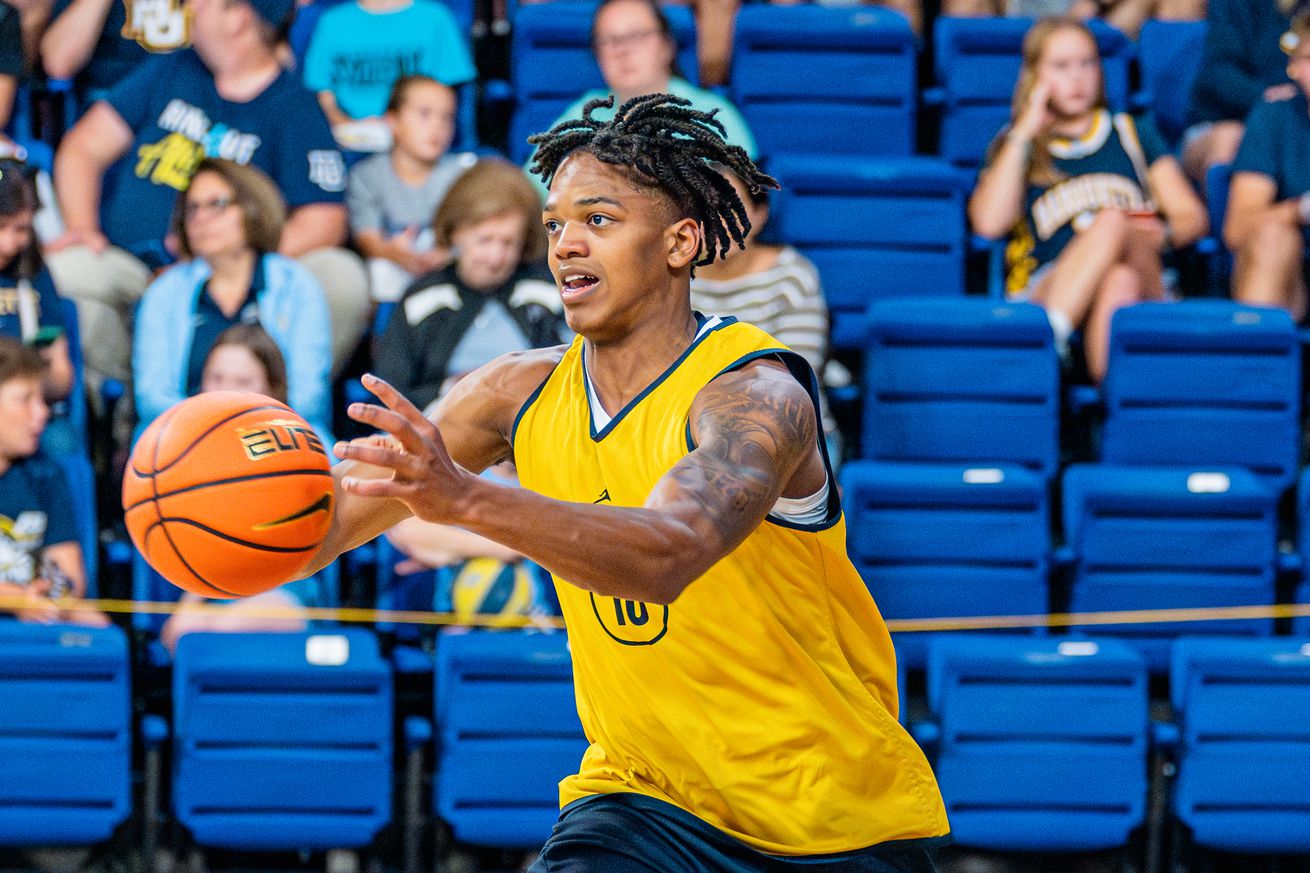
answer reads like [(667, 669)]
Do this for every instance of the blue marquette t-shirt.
[(359, 54), (177, 118)]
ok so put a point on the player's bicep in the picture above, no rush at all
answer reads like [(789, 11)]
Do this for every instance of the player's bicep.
[(752, 431)]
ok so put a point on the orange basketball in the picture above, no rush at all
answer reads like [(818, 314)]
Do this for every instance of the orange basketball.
[(228, 494)]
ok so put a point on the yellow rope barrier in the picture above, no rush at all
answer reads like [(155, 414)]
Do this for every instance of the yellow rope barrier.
[(357, 615)]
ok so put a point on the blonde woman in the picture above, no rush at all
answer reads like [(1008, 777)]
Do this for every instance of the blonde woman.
[(1088, 199)]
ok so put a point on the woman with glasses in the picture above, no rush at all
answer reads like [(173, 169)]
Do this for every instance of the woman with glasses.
[(637, 54), (228, 224)]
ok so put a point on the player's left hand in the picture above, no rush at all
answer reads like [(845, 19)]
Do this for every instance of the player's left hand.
[(423, 475)]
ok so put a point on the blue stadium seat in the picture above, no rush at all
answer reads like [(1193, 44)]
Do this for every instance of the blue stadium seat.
[(875, 228), (1043, 742), (552, 65), (507, 733), (970, 381), (1169, 55), (816, 80), (1168, 538), (1204, 382), (1244, 750), (938, 540), (65, 733), (282, 741), (977, 65)]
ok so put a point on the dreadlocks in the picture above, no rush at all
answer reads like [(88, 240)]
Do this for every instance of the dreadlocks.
[(662, 143)]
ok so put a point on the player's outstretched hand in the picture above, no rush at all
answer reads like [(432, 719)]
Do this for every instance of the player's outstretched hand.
[(423, 476)]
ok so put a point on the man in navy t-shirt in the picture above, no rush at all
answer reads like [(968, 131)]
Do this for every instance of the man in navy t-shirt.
[(1268, 220), (120, 169)]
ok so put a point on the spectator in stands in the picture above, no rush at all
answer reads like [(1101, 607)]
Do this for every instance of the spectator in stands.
[(40, 558), (1126, 15), (1090, 200), (360, 49), (393, 197), (29, 307), (228, 223), (1268, 220), (1240, 64), (773, 287), (244, 358), (93, 43), (637, 54), (228, 98), (496, 297)]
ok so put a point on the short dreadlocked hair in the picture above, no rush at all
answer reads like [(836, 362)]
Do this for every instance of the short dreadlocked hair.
[(660, 142)]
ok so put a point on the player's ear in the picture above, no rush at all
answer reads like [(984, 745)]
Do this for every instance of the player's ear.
[(683, 241)]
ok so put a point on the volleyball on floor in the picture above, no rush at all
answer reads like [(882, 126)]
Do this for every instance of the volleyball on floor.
[(228, 494)]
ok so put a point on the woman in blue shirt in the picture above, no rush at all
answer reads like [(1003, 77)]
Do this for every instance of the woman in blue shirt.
[(228, 224)]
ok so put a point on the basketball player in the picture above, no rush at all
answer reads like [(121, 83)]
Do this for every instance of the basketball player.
[(733, 675)]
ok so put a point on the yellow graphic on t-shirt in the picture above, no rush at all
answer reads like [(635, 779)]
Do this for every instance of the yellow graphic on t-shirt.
[(171, 161), (157, 25)]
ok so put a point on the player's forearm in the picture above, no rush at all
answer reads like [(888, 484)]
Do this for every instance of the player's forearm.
[(629, 552)]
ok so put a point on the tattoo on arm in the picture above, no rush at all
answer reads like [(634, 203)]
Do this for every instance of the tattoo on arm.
[(754, 428)]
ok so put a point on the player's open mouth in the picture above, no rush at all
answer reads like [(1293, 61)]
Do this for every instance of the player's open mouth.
[(577, 284)]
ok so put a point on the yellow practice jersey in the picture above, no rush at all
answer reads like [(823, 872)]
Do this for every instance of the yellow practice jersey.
[(764, 699)]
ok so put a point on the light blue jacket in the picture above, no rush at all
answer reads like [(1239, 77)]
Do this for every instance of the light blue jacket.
[(292, 309)]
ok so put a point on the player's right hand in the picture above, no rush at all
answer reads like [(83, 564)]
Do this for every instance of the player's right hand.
[(423, 475)]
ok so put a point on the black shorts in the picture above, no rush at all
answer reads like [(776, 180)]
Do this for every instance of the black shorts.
[(632, 833)]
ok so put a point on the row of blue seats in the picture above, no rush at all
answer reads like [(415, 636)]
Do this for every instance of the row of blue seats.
[(978, 381), (958, 542), (285, 741), (852, 75)]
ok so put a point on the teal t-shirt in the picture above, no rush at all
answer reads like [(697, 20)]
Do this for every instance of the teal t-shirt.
[(359, 54), (734, 126)]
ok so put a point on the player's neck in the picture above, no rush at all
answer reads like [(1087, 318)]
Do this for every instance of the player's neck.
[(621, 368)]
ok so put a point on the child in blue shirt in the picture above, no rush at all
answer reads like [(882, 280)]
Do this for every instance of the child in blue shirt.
[(360, 49)]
